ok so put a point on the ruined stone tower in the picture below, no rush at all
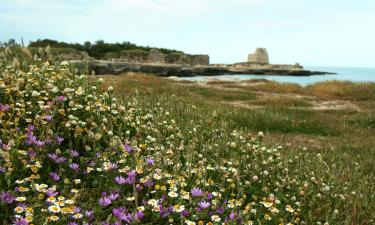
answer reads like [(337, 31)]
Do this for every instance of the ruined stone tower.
[(259, 57)]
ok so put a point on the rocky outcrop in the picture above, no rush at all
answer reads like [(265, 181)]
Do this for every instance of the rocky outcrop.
[(115, 67), (186, 59), (156, 56), (259, 57)]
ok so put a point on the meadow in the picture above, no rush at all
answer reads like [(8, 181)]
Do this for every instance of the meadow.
[(139, 149)]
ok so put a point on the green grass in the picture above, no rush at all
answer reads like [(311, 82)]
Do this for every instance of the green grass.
[(344, 138), (275, 119)]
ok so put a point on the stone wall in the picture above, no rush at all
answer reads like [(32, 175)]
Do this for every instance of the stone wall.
[(259, 57)]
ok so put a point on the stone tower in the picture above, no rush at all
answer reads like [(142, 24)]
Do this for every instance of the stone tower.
[(259, 57)]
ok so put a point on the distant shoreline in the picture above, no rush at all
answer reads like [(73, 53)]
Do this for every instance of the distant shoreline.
[(101, 67)]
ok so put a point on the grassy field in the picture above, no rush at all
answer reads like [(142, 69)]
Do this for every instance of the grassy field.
[(334, 119), (139, 149)]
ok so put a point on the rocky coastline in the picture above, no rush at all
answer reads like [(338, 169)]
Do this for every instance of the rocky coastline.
[(184, 65), (102, 67)]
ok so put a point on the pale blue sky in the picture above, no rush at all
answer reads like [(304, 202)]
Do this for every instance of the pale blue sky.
[(312, 32)]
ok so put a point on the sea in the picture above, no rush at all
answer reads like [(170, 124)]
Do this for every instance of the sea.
[(354, 74)]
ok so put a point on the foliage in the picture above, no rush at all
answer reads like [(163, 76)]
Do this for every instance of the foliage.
[(72, 154), (99, 49)]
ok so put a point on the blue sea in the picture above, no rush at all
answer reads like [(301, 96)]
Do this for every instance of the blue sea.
[(353, 74)]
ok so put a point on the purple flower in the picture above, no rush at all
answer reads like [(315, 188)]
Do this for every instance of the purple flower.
[(54, 176), (52, 156), (150, 161), (131, 177), (30, 138), (31, 153), (196, 192), (114, 196), (89, 214), (210, 196), (59, 139), (39, 143), (4, 108), (112, 166), (73, 153), (232, 216), (120, 180), (139, 187), (184, 213), (104, 201), (7, 197), (77, 210), (220, 210), (50, 192), (20, 221), (74, 166), (72, 223), (139, 215), (48, 118), (128, 148), (204, 204), (117, 211), (61, 98), (30, 128), (60, 160)]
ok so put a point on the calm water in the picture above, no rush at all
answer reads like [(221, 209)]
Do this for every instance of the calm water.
[(343, 73)]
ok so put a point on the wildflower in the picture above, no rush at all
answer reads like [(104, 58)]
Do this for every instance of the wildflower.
[(189, 222), (120, 180), (128, 148), (139, 215), (172, 194), (215, 218), (196, 192), (204, 204), (289, 209), (54, 208), (21, 199), (267, 217), (20, 221), (77, 216), (54, 218), (61, 98), (267, 204), (19, 209), (4, 108), (48, 118), (72, 223), (54, 176), (114, 196), (104, 201), (59, 139), (73, 153), (150, 161), (74, 166), (7, 197), (60, 160)]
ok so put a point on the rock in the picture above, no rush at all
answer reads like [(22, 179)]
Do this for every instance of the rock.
[(200, 60), (259, 57), (156, 56), (112, 67)]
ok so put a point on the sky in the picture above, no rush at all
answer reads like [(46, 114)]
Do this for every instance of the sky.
[(311, 32)]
